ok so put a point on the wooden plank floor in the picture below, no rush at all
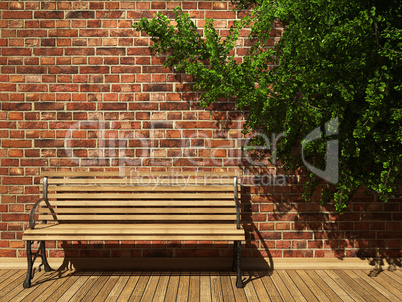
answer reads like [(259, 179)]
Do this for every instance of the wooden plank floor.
[(282, 285)]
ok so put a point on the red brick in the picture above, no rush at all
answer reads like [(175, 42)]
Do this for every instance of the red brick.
[(162, 87), (220, 5), (112, 5), (94, 88), (48, 51), (126, 69), (17, 15), (9, 162), (94, 33), (15, 5), (31, 24), (48, 15), (109, 14), (94, 23), (16, 181), (17, 244), (32, 87), (80, 15), (8, 253), (34, 162), (8, 87), (189, 5), (80, 51), (64, 5), (282, 244), (44, 143), (94, 69), (63, 88), (31, 61), (47, 61), (268, 235), (16, 52), (63, 33), (124, 23), (158, 5), (219, 15), (139, 51), (31, 69), (15, 116), (110, 51), (96, 5), (16, 143), (63, 69)]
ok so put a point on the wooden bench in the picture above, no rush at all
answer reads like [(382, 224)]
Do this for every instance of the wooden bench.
[(102, 206)]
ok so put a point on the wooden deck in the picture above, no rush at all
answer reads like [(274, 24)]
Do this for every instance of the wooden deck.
[(282, 285)]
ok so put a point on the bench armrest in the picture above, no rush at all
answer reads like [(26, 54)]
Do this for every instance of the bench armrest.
[(236, 197), (32, 216)]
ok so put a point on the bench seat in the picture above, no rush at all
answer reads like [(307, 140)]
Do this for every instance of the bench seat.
[(120, 231)]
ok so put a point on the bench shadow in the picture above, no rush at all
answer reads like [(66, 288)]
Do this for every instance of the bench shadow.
[(87, 257)]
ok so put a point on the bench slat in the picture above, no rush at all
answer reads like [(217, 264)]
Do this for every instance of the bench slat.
[(136, 188), (135, 181), (149, 231), (137, 226), (139, 196), (172, 174), (111, 210), (147, 237), (135, 232), (112, 217), (161, 203)]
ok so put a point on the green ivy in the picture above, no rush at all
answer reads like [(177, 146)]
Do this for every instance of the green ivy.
[(335, 59)]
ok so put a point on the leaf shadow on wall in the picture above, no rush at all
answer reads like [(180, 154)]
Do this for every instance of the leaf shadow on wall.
[(368, 229)]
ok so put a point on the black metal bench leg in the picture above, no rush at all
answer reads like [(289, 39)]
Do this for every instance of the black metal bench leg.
[(27, 282), (239, 280), (45, 264), (234, 257)]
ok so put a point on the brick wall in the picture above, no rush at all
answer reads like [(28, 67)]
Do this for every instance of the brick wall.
[(80, 91)]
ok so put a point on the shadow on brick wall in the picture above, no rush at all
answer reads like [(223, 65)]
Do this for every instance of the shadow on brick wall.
[(285, 225)]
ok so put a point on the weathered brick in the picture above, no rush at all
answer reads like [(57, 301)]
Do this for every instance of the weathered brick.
[(63, 33), (16, 52), (80, 51), (31, 69), (16, 181), (63, 69), (63, 88), (48, 15), (43, 143), (109, 14), (16, 5), (8, 87), (175, 106), (48, 52), (94, 69), (80, 15), (17, 15), (158, 87), (126, 69), (110, 51), (32, 88), (34, 162), (94, 88), (93, 33)]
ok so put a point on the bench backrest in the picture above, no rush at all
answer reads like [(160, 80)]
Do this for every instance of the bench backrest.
[(143, 197)]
